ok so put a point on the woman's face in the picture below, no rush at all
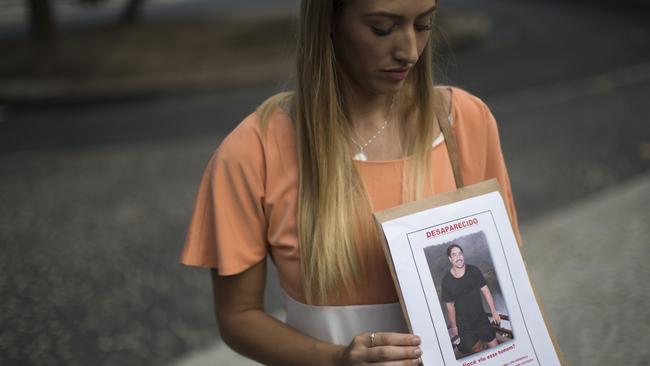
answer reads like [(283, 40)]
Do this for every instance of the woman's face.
[(377, 42)]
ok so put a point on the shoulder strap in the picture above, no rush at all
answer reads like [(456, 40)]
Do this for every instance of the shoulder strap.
[(452, 148)]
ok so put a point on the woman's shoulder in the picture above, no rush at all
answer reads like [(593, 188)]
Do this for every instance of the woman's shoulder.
[(252, 135), (243, 141), (467, 103), (470, 112)]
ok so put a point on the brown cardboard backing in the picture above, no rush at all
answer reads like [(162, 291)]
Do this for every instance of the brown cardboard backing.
[(440, 200)]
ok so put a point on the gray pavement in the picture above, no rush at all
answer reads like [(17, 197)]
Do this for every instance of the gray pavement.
[(90, 243), (588, 262)]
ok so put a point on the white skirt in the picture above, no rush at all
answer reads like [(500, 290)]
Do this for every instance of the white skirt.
[(339, 324)]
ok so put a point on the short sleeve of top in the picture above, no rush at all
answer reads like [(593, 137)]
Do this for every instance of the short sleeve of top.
[(228, 229)]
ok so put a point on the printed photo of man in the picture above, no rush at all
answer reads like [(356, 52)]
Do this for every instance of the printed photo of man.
[(462, 288)]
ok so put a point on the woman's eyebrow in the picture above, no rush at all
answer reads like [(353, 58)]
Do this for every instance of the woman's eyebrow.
[(387, 14)]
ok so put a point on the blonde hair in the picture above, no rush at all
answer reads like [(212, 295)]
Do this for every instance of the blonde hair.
[(333, 207)]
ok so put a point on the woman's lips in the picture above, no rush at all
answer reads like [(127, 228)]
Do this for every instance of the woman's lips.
[(397, 74)]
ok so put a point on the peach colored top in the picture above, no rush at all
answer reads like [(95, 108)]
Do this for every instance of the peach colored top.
[(246, 205)]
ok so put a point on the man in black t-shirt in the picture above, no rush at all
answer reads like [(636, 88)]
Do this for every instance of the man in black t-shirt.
[(462, 287)]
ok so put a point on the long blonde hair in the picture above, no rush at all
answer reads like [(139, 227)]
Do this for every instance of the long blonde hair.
[(333, 207)]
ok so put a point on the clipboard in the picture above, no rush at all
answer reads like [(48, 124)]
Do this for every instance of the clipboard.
[(413, 237)]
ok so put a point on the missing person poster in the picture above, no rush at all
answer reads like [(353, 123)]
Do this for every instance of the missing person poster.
[(462, 281)]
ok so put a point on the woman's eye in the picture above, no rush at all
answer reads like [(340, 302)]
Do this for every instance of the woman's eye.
[(382, 31), (423, 27)]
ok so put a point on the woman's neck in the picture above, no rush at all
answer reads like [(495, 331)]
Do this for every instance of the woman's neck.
[(374, 126), (367, 111)]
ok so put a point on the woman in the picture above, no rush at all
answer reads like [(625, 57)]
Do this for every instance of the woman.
[(299, 179)]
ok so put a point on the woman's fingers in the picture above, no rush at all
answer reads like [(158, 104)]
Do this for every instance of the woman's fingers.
[(417, 362), (393, 353), (390, 349), (393, 349), (392, 339)]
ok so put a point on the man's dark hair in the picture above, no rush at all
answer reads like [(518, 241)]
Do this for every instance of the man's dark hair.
[(449, 248)]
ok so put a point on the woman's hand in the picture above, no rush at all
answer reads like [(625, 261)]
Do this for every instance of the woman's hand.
[(383, 349)]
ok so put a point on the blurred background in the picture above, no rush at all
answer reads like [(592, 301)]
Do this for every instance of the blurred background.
[(110, 109)]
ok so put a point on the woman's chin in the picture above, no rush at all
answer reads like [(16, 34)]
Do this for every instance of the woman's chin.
[(391, 87)]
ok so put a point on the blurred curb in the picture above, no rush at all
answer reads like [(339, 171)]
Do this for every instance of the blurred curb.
[(459, 30), (239, 46), (62, 91)]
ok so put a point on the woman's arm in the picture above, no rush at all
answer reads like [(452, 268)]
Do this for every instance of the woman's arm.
[(246, 328)]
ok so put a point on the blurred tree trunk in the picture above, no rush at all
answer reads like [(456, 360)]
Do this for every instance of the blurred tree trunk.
[(42, 22), (133, 11)]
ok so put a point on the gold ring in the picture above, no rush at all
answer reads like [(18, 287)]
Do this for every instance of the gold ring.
[(372, 339)]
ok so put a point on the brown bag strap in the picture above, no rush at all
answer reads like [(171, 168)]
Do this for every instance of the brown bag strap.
[(452, 148)]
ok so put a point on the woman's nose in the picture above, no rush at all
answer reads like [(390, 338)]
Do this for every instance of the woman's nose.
[(406, 50)]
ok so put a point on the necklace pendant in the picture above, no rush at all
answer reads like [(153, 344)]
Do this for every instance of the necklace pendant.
[(360, 156)]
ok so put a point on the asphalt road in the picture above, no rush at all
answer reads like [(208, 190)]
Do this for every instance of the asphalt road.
[(94, 199)]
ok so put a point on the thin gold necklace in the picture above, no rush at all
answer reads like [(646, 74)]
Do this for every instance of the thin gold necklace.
[(362, 155)]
